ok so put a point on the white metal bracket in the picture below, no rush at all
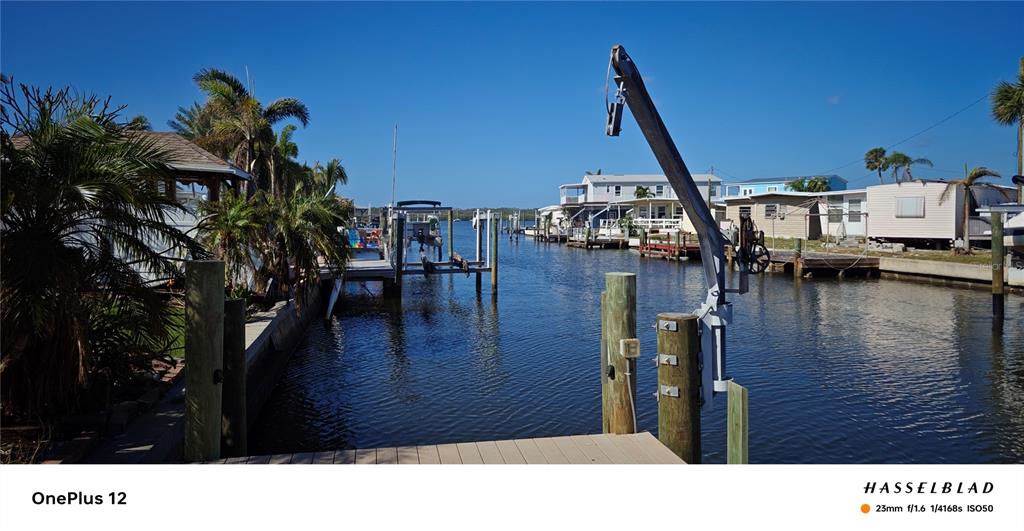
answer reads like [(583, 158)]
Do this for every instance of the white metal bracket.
[(670, 390)]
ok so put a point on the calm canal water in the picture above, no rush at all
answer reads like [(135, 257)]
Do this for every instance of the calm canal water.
[(839, 371)]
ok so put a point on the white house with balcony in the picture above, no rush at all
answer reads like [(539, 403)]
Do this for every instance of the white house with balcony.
[(601, 200)]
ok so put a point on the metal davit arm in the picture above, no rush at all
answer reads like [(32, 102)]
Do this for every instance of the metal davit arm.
[(714, 313)]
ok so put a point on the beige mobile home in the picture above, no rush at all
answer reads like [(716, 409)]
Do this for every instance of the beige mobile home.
[(803, 214), (913, 212)]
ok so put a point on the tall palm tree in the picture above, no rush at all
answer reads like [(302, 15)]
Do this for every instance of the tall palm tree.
[(1008, 109), (196, 123), (231, 229), (814, 184), (82, 233), (326, 177), (239, 112), (281, 159), (875, 160), (972, 179), (900, 164), (303, 230)]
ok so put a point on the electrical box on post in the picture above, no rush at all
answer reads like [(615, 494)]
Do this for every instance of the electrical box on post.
[(629, 348)]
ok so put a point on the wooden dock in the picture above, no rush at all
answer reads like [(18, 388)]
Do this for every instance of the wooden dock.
[(818, 262), (638, 448), (670, 251)]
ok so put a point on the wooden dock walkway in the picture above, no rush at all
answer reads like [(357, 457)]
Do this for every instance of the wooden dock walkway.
[(825, 262), (638, 448)]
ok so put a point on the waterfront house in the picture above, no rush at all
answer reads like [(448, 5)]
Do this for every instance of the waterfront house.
[(912, 212), (809, 215), (602, 199), (766, 185)]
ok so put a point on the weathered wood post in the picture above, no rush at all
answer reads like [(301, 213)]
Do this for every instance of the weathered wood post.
[(737, 431), (798, 266), (619, 323), (679, 385), (479, 247), (451, 235), (998, 261), (393, 288), (204, 358), (494, 258), (234, 422), (678, 247), (605, 403)]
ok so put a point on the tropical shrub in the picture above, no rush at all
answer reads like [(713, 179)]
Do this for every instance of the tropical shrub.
[(83, 239)]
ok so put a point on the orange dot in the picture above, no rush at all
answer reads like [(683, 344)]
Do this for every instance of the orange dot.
[(865, 508)]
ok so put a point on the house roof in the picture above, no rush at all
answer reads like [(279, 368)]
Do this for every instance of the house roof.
[(794, 194), (640, 179), (761, 180), (183, 155)]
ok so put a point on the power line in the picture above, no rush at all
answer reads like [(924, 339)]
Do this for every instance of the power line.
[(917, 134)]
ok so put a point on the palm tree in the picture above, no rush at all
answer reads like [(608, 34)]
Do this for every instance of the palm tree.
[(196, 123), (282, 157), (598, 172), (901, 161), (642, 192), (875, 160), (814, 184), (327, 177), (238, 112), (303, 230), (1008, 109), (972, 178), (231, 229), (82, 235)]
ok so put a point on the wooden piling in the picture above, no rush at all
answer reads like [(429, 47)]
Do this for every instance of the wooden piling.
[(494, 258), (605, 403), (395, 286), (619, 323), (677, 253), (998, 261), (451, 235), (479, 248), (234, 422), (679, 385), (204, 358), (798, 266), (736, 434)]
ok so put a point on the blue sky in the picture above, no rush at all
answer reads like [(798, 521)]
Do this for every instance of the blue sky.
[(498, 104)]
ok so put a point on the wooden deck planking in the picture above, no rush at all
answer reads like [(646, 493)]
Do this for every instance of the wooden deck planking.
[(551, 452), (590, 449), (366, 456), (614, 453), (489, 453), (510, 452), (387, 456), (407, 455), (428, 455), (531, 452), (344, 457), (323, 458), (571, 451), (469, 453), (575, 449), (449, 454), (302, 459)]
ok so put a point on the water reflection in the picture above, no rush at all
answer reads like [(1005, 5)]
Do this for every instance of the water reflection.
[(854, 370)]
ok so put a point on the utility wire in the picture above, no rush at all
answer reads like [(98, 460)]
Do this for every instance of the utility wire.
[(917, 134)]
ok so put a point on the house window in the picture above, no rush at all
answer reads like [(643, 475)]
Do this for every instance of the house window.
[(618, 191), (773, 188), (661, 212), (744, 212), (835, 213), (713, 191), (732, 190), (748, 191), (854, 211), (910, 207), (771, 211), (659, 190)]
